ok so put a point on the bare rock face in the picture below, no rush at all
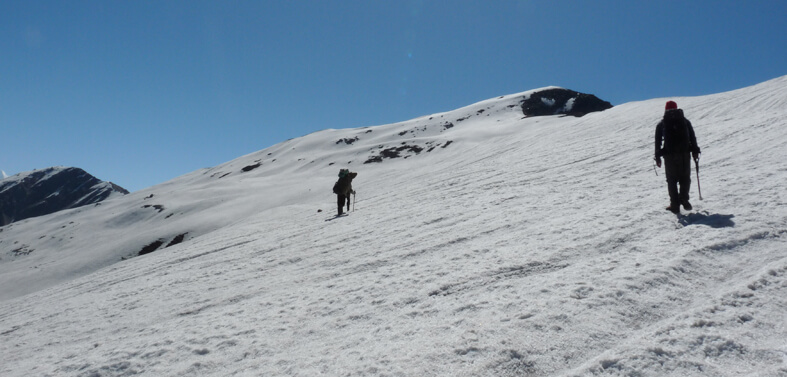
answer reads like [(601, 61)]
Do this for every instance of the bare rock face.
[(559, 101), (46, 191)]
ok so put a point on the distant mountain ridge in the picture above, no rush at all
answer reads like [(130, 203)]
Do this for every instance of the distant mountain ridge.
[(45, 191)]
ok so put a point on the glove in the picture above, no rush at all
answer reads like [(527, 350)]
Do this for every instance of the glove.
[(658, 161), (696, 155)]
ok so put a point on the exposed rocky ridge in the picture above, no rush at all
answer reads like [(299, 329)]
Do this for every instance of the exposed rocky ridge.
[(562, 101), (46, 191)]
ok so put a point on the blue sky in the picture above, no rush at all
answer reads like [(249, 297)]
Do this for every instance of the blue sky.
[(140, 92)]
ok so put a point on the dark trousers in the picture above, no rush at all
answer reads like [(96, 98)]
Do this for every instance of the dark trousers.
[(340, 199), (677, 168)]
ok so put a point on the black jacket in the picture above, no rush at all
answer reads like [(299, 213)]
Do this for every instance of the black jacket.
[(677, 133), (344, 186)]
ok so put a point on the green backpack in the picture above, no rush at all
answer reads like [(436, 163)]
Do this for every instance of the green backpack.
[(342, 173)]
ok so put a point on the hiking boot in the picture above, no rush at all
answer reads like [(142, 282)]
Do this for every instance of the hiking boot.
[(687, 205), (674, 208)]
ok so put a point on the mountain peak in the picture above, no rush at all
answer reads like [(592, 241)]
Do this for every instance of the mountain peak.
[(555, 101), (44, 191)]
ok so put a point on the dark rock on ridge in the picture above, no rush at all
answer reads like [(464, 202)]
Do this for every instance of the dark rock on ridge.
[(46, 191), (562, 101)]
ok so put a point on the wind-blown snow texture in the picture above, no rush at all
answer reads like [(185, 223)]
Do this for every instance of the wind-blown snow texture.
[(495, 245)]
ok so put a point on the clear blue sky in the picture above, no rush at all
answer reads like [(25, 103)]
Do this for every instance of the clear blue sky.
[(140, 92)]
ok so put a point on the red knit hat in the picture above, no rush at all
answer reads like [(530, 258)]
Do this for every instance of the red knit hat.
[(671, 105)]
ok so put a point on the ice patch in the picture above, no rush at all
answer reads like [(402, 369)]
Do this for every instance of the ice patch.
[(569, 105)]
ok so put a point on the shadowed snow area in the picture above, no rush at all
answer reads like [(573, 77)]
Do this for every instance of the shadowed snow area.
[(492, 245)]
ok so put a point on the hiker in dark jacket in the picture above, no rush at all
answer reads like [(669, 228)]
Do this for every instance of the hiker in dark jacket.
[(343, 188), (679, 146)]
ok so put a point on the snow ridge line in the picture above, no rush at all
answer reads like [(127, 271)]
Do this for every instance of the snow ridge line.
[(190, 257), (502, 274), (740, 242)]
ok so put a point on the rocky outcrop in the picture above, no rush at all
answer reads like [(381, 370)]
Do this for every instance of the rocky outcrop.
[(559, 101), (46, 191)]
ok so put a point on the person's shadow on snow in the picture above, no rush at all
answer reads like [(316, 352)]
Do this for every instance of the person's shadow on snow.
[(705, 218)]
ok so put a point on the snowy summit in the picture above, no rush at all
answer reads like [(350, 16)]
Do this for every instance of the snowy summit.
[(484, 242), (45, 191)]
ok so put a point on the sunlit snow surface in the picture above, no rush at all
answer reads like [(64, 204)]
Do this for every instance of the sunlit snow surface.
[(524, 247)]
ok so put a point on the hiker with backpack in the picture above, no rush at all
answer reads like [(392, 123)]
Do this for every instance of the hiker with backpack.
[(676, 142), (343, 188)]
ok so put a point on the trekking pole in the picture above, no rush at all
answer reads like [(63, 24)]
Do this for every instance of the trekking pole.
[(697, 164), (354, 200), (654, 168)]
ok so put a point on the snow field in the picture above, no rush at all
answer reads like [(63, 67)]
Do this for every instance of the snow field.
[(526, 247)]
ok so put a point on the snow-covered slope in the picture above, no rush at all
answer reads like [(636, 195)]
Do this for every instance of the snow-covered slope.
[(494, 245), (42, 252)]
